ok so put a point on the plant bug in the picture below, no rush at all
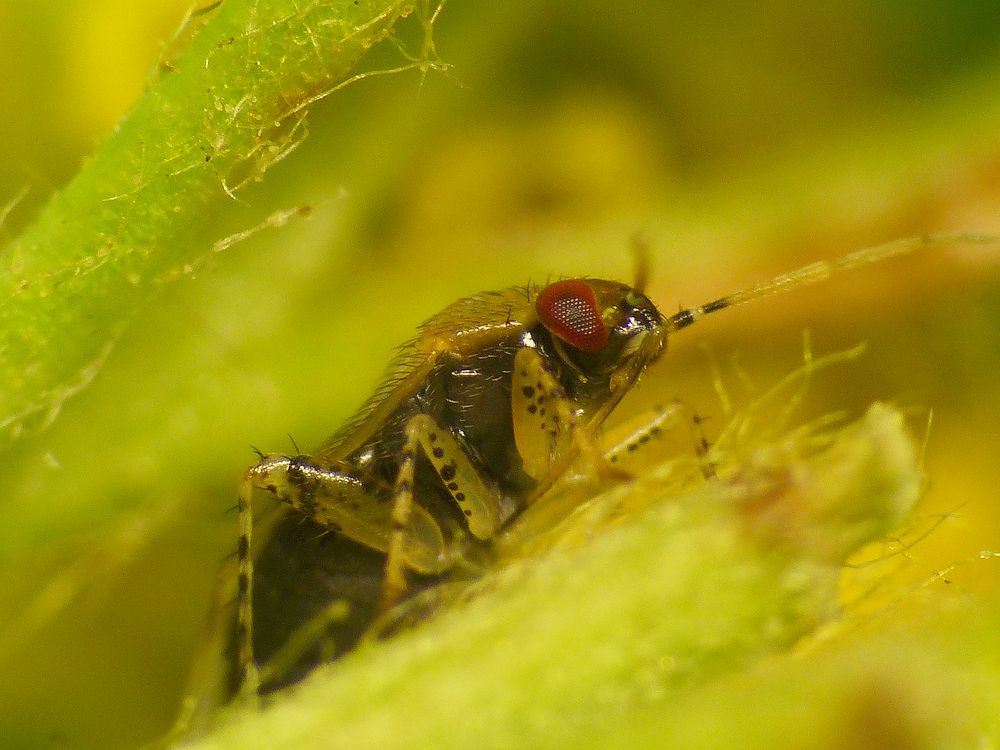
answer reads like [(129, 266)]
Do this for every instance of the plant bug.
[(481, 413)]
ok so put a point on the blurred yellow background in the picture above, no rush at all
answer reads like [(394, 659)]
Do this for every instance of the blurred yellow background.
[(739, 139)]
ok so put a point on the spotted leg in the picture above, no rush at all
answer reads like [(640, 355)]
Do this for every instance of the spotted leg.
[(483, 507), (628, 445), (549, 429), (544, 419), (248, 676), (336, 501)]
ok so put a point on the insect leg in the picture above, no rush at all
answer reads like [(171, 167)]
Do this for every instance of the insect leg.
[(547, 429), (542, 415), (248, 677), (341, 503), (702, 445), (627, 443), (649, 429), (402, 508), (482, 507), (302, 638)]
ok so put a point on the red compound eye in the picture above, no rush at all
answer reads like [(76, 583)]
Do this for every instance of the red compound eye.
[(569, 310)]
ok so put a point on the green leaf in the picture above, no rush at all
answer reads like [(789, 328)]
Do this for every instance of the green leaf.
[(698, 586), (219, 115)]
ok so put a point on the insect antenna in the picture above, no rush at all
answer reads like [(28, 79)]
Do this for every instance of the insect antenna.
[(822, 270), (640, 255)]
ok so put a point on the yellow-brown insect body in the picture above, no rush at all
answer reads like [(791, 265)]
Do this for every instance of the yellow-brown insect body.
[(482, 410), (480, 414)]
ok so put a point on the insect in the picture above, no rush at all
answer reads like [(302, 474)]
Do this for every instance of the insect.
[(482, 412)]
